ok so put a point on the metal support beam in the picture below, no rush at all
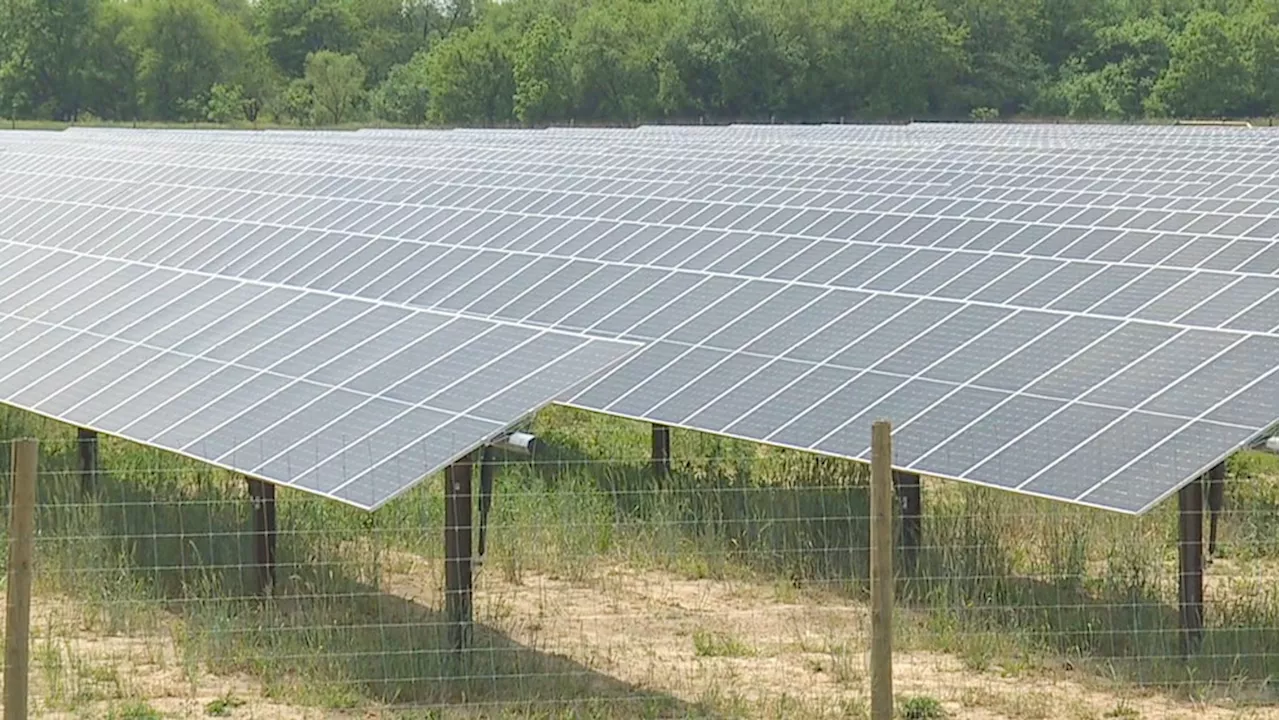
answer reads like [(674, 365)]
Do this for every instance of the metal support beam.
[(488, 468), (263, 497), (661, 455), (1191, 564), (1217, 492), (87, 449), (910, 505), (457, 552)]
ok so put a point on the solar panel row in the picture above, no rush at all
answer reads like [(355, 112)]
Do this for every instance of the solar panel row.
[(1047, 311), (343, 397)]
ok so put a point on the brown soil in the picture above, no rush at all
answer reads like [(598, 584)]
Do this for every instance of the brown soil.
[(80, 671), (771, 646), (758, 650)]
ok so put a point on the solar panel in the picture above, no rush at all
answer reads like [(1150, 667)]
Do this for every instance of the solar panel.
[(338, 396), (1087, 315)]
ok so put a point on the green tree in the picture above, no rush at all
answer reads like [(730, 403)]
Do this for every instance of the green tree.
[(1113, 77), (112, 64), (476, 61), (1002, 68), (722, 54), (471, 79), (184, 47), (1067, 28), (226, 103), (387, 35), (293, 29), (44, 58), (259, 80), (1258, 36), (612, 60), (1207, 74), (540, 71), (336, 83), (404, 96), (893, 60), (1080, 94), (296, 102)]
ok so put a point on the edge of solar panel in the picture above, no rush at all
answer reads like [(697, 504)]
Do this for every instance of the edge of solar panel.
[(778, 134), (479, 441), (405, 487), (925, 472)]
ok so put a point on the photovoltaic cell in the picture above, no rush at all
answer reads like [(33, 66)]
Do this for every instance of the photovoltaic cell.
[(1056, 310), (184, 362)]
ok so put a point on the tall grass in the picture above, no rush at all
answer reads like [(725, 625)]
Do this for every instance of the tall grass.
[(1003, 580)]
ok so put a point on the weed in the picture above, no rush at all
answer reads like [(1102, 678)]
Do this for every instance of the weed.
[(222, 706), (1123, 710), (856, 708), (921, 707), (846, 664), (1002, 581), (134, 710), (707, 643), (48, 659)]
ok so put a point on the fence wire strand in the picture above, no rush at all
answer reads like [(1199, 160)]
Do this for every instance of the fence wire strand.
[(734, 585)]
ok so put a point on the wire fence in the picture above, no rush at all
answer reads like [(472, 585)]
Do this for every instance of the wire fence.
[(734, 585)]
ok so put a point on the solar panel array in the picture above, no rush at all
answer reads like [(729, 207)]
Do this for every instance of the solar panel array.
[(1082, 313), (339, 395)]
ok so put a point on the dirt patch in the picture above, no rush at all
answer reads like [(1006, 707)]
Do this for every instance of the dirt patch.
[(753, 650), (769, 647), (82, 668)]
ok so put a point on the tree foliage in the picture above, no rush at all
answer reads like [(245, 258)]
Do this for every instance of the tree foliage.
[(536, 62), (336, 81), (404, 95), (540, 70), (183, 48), (471, 79)]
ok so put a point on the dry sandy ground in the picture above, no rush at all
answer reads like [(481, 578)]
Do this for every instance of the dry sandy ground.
[(752, 649), (78, 673), (644, 627)]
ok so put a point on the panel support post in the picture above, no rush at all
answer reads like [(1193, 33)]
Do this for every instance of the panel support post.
[(87, 448), (661, 455), (263, 497), (488, 468), (17, 641), (907, 486), (457, 552), (1190, 564), (881, 571), (1217, 492)]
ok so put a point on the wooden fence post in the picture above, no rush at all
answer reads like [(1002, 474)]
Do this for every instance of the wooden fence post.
[(881, 571), (17, 643)]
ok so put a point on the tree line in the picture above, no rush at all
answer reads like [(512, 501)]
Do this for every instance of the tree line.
[(535, 62)]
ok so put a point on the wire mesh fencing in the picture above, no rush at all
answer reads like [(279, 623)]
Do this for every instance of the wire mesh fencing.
[(730, 581)]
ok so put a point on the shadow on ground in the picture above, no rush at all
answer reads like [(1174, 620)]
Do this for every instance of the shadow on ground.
[(178, 542), (973, 592)]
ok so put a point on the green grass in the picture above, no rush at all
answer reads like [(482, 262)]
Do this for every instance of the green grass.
[(921, 707), (1123, 710), (55, 125), (709, 643), (222, 706), (1005, 583), (134, 710)]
